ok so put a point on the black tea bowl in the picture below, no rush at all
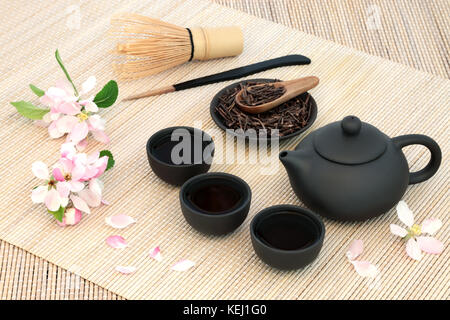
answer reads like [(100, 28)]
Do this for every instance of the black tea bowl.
[(215, 203), (176, 154), (286, 236)]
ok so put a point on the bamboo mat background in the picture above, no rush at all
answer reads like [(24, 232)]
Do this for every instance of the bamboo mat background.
[(412, 32)]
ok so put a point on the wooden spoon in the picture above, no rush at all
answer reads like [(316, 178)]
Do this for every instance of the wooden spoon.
[(292, 89)]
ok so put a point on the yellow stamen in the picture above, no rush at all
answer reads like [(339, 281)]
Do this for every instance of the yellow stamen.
[(416, 230), (82, 116)]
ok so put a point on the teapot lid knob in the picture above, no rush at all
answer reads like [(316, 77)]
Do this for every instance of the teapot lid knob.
[(350, 141), (351, 125)]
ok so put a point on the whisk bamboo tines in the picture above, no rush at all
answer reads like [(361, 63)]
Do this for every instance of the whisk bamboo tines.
[(149, 46)]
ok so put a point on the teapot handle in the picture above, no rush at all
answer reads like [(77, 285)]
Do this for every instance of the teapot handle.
[(435, 160)]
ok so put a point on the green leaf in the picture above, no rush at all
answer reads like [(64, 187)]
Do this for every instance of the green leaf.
[(108, 95), (29, 110), (58, 58), (36, 90), (59, 215), (111, 160)]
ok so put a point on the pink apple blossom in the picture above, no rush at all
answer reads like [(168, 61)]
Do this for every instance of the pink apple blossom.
[(72, 116), (50, 194), (74, 178), (413, 234)]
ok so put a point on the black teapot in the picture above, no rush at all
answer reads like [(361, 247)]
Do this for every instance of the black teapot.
[(349, 170)]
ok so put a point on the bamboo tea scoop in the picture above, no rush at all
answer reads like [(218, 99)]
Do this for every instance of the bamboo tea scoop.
[(290, 60), (292, 88)]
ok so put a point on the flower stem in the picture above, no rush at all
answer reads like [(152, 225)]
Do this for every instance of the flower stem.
[(58, 58)]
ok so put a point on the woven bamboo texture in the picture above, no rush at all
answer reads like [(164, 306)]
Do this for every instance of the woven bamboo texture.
[(395, 98)]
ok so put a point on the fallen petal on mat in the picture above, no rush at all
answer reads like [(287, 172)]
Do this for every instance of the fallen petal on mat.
[(126, 269), (183, 265), (117, 242), (405, 214), (413, 250), (355, 250), (431, 226), (397, 230), (365, 269), (430, 245), (119, 221), (155, 253)]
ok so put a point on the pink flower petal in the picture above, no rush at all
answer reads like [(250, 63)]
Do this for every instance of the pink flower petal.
[(117, 242), (90, 197), (100, 136), (66, 86), (155, 253), (40, 170), (63, 188), (405, 214), (79, 132), (71, 217), (119, 221), (68, 150), (96, 123), (80, 204), (65, 164), (430, 245), (92, 157), (66, 123), (183, 265), (54, 115), (52, 200), (101, 164), (431, 226), (76, 186), (398, 231), (89, 105), (413, 249), (356, 248), (53, 131), (69, 108), (57, 174), (78, 172), (126, 269), (365, 269), (38, 194), (81, 146), (96, 186), (105, 202), (88, 85)]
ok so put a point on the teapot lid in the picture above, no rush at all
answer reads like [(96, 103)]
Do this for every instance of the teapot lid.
[(350, 141)]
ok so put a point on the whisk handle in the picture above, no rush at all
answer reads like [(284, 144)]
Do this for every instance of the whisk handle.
[(290, 60)]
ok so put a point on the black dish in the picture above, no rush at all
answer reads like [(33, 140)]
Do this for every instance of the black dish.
[(287, 236), (159, 148), (215, 203), (218, 120)]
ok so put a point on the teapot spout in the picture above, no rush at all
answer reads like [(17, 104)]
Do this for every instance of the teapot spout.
[(293, 161)]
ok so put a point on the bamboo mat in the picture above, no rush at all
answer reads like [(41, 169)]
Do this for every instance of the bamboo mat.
[(227, 267)]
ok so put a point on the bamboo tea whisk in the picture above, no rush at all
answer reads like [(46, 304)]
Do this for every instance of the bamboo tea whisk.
[(149, 46)]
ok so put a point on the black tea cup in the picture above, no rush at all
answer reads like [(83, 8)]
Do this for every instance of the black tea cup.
[(287, 236), (176, 154)]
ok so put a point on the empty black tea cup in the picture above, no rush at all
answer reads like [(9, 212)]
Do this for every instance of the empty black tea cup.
[(176, 154), (215, 203), (287, 236)]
